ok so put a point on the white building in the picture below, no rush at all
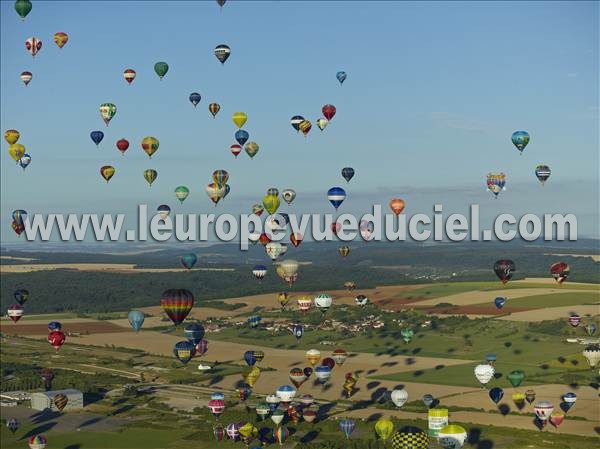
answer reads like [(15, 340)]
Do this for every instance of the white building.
[(45, 399)]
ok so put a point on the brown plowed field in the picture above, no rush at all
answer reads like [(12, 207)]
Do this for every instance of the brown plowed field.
[(89, 327)]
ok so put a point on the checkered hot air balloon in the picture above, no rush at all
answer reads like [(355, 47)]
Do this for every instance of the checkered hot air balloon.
[(410, 438), (177, 304), (347, 426)]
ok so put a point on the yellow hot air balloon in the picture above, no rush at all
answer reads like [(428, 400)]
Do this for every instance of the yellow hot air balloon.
[(107, 172), (248, 430), (271, 203), (384, 428), (150, 145), (283, 297), (61, 39), (280, 272), (11, 136), (150, 175), (313, 356), (239, 118), (16, 151), (252, 376)]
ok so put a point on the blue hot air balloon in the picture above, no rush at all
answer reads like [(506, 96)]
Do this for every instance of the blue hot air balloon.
[(25, 161), (490, 358), (347, 427), (195, 98), (323, 373), (241, 136), (520, 139), (189, 260), (54, 326), (19, 216), (136, 319), (298, 331), (341, 77), (217, 396), (499, 301), (184, 351), (496, 394), (336, 196), (97, 137), (347, 173), (194, 333), (249, 358), (569, 400), (254, 320)]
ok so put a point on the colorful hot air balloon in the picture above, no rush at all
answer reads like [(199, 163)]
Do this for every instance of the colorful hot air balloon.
[(350, 286), (12, 424), (504, 269), (556, 419), (341, 77), (542, 172), (560, 271), (452, 436), (47, 376), (336, 196), (15, 312), (295, 122), (107, 172), (220, 177), (288, 195), (384, 428), (189, 260), (280, 434), (11, 136), (574, 320), (305, 127), (33, 45), (97, 137), (286, 393), (304, 303), (21, 296), (347, 173), (297, 376), (181, 193), (259, 272), (344, 250), (219, 432), (328, 111), (239, 119), (56, 339), (296, 239), (313, 356), (60, 401), (499, 302), (347, 426), (150, 176), (410, 438), (254, 321), (129, 75), (61, 39), (530, 396), (397, 205), (520, 139), (214, 109), (195, 98), (54, 326), (569, 400), (241, 136), (26, 77), (161, 68), (19, 216), (37, 442), (23, 7), (484, 373), (216, 407), (235, 149), (543, 410), (136, 319), (184, 351), (177, 304), (122, 145), (496, 183), (150, 145), (222, 53), (107, 112), (322, 123), (275, 249), (201, 348), (194, 333), (215, 193), (590, 329), (16, 151)]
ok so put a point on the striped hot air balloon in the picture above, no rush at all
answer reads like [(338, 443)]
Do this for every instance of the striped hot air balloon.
[(177, 304)]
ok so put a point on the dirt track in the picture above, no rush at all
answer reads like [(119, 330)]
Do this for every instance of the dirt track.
[(111, 267), (552, 313), (79, 327)]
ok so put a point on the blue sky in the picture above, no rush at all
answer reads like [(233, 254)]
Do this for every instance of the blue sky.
[(434, 91)]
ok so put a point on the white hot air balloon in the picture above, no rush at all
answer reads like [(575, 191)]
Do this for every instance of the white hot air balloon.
[(275, 249), (484, 373), (399, 397), (277, 416), (288, 195), (592, 354), (323, 302), (286, 393), (289, 267), (543, 410)]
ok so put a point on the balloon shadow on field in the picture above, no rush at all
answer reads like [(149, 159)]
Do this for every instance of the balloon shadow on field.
[(39, 429), (215, 380), (379, 395), (373, 384), (309, 437), (92, 421), (73, 446), (374, 417), (504, 409), (597, 430)]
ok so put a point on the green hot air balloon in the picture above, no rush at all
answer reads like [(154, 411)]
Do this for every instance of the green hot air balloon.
[(23, 7), (515, 378), (271, 203), (407, 335), (182, 193), (161, 69)]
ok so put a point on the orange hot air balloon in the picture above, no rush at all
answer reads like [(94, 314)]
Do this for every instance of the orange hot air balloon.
[(296, 239), (214, 109), (61, 39), (150, 145), (397, 205)]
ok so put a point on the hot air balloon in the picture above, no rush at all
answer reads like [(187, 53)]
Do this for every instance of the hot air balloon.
[(254, 321), (264, 238), (11, 136), (407, 334), (592, 354), (350, 286), (262, 410), (61, 39), (281, 434), (323, 302), (491, 359), (275, 249), (107, 172), (530, 396), (295, 122), (33, 45), (161, 69), (344, 250), (328, 111), (163, 211), (12, 424), (288, 195), (251, 148), (37, 442), (97, 137), (484, 373), (19, 216), (249, 358), (384, 428), (26, 77), (496, 183), (184, 351), (347, 426), (323, 373), (574, 320), (277, 415), (296, 239), (516, 377), (54, 326), (496, 394), (195, 98), (339, 356), (129, 75), (220, 177), (305, 127), (136, 319), (590, 329), (347, 173), (298, 331), (542, 172), (336, 196), (397, 205), (569, 400), (21, 296), (107, 112), (399, 397), (520, 139), (150, 145), (297, 377), (122, 146), (16, 151), (47, 376), (214, 109), (427, 400), (500, 301), (271, 203), (181, 193), (15, 312), (410, 438), (556, 419), (177, 304), (543, 410), (56, 339), (283, 298), (23, 7), (241, 136), (235, 149), (216, 407), (189, 260), (304, 303), (60, 401), (194, 333), (222, 53), (560, 271), (504, 269), (313, 356), (239, 119), (201, 348), (25, 161), (150, 176), (341, 77), (322, 123), (219, 432), (273, 401), (452, 436), (286, 393)]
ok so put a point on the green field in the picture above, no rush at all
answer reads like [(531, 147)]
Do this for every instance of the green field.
[(552, 300)]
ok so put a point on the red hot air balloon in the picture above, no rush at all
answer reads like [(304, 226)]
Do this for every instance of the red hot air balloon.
[(574, 320), (296, 239), (397, 205), (328, 111), (504, 269), (56, 339), (15, 312), (177, 304), (122, 145), (560, 271)]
